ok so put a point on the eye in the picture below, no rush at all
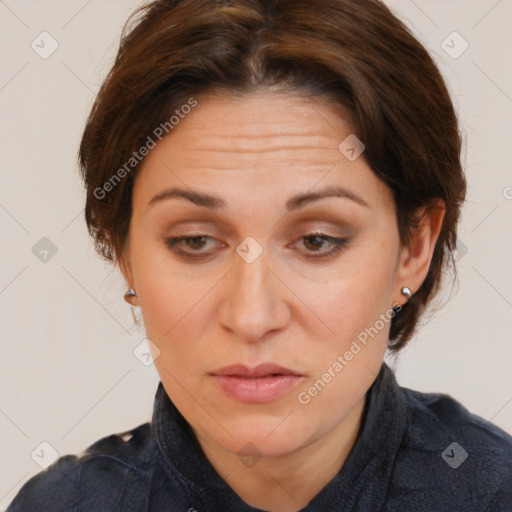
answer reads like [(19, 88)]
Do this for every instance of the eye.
[(313, 241), (194, 242)]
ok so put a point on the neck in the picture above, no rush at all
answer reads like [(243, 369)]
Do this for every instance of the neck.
[(289, 482)]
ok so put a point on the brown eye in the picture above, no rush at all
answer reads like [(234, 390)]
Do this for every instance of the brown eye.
[(194, 243), (315, 241), (197, 242)]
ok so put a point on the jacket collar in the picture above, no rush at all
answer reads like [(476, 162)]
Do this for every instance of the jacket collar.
[(368, 466)]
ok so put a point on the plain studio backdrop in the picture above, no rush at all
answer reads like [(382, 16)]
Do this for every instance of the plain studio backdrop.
[(72, 365)]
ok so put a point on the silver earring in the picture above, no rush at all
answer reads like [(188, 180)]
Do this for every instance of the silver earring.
[(130, 293), (406, 291)]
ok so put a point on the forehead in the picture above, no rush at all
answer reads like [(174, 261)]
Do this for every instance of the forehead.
[(250, 144), (262, 123)]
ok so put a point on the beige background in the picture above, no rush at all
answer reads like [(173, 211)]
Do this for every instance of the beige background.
[(68, 372)]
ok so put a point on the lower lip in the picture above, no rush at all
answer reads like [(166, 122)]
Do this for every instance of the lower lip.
[(258, 390)]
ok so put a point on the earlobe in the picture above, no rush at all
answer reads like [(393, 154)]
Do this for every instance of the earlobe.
[(417, 255)]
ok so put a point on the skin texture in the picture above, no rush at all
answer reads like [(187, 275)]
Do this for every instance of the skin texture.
[(255, 152)]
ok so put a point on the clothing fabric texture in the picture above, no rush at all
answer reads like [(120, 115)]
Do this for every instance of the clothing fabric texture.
[(418, 452)]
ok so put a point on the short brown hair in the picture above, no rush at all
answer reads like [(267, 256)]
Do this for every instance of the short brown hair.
[(354, 51)]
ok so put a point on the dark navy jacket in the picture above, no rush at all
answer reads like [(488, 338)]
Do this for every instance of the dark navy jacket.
[(415, 452)]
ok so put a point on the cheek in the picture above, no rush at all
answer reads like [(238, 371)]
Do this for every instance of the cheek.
[(171, 304), (174, 311), (359, 325), (354, 297), (344, 364), (357, 308)]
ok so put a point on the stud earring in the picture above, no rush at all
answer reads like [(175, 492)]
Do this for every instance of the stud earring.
[(129, 293), (406, 291)]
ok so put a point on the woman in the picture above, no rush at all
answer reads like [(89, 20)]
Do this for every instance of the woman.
[(280, 185)]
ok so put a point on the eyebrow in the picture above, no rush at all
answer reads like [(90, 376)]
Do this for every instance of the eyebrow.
[(294, 203)]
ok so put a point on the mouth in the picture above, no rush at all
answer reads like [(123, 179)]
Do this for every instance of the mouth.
[(260, 384)]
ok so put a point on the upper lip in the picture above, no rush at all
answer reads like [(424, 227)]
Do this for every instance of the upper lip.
[(261, 370)]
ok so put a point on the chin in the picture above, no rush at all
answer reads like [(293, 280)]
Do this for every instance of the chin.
[(261, 435)]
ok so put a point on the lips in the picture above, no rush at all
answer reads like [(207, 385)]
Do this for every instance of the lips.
[(257, 385), (262, 370)]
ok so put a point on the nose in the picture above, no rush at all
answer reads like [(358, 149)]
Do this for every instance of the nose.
[(254, 302)]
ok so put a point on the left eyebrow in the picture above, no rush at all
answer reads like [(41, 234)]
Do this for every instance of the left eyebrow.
[(300, 200)]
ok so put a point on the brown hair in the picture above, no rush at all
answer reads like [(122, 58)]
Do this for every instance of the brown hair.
[(353, 51)]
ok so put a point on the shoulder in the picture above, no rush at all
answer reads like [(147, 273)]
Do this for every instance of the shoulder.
[(458, 457), (98, 475)]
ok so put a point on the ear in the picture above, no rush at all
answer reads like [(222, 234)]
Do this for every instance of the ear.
[(416, 256), (126, 270)]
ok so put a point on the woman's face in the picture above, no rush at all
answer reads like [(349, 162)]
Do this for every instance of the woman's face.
[(257, 278)]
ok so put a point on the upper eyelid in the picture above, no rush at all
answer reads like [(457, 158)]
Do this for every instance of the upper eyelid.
[(227, 229), (205, 228)]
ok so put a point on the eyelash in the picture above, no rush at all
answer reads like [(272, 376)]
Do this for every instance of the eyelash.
[(338, 243)]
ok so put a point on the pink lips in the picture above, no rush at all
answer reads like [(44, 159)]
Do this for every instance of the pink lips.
[(263, 383)]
